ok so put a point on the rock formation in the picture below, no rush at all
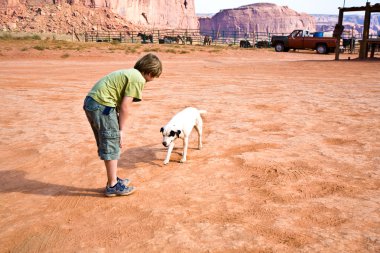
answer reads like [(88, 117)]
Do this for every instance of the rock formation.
[(259, 17), (154, 13), (62, 16), (353, 24)]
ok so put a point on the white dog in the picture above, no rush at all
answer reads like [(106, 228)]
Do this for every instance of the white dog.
[(180, 126)]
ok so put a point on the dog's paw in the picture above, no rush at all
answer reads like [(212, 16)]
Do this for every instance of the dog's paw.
[(166, 162), (182, 160)]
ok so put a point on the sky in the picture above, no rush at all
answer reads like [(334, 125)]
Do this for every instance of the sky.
[(308, 6)]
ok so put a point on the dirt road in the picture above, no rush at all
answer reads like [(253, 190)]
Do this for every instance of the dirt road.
[(291, 157)]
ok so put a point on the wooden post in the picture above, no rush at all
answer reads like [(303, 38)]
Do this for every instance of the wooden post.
[(352, 44), (373, 46), (340, 23), (364, 45), (76, 35)]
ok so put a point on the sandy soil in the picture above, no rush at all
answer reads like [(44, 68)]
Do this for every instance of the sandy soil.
[(290, 160)]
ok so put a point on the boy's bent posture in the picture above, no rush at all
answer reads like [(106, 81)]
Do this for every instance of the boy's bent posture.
[(107, 108)]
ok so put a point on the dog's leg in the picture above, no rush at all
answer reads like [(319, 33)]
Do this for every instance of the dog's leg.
[(198, 127), (185, 145), (170, 149)]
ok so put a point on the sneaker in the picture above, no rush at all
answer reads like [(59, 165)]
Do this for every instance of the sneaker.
[(125, 182), (119, 190)]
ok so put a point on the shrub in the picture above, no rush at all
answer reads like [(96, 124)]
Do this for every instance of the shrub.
[(40, 47), (130, 50), (171, 51), (64, 56), (9, 36)]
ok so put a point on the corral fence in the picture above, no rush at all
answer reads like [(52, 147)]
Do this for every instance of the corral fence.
[(182, 36), (349, 42)]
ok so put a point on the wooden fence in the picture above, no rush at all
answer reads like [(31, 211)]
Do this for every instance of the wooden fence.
[(195, 37), (179, 36)]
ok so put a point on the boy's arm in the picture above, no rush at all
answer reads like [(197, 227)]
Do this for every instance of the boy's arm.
[(125, 108)]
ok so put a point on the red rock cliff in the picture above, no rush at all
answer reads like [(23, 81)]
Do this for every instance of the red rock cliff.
[(149, 14), (153, 13)]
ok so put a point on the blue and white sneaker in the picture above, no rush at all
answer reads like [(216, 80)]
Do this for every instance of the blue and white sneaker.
[(119, 190), (125, 182)]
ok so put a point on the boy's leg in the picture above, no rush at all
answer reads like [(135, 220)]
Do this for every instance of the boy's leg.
[(106, 131), (111, 167), (116, 186)]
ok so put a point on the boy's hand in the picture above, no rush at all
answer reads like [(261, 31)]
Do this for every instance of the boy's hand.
[(121, 139), (123, 115)]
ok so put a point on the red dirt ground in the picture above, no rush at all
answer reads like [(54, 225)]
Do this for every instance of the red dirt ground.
[(290, 160)]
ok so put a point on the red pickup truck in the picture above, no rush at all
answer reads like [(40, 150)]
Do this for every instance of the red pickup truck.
[(301, 39)]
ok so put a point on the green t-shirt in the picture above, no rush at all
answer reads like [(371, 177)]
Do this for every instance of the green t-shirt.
[(111, 89)]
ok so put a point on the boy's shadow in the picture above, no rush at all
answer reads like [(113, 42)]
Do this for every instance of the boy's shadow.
[(15, 181)]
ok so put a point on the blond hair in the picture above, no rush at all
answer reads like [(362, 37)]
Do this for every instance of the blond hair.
[(149, 64)]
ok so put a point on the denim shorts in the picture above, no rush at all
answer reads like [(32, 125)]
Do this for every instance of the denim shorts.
[(105, 125)]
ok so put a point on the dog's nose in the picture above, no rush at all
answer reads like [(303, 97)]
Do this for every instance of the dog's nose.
[(164, 143)]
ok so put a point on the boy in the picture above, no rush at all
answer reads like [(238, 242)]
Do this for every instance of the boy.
[(107, 108)]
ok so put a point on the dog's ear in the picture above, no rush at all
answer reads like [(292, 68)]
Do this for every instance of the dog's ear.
[(161, 130), (178, 133)]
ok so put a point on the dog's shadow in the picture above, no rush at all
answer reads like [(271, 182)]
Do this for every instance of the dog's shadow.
[(17, 181), (133, 157)]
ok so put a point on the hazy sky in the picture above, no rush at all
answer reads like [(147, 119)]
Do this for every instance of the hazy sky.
[(308, 6)]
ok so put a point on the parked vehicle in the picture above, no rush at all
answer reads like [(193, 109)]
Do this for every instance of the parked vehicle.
[(302, 39)]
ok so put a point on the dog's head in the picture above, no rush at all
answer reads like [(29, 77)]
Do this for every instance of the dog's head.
[(169, 135)]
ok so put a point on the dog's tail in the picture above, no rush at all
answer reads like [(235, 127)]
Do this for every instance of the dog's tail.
[(202, 111)]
